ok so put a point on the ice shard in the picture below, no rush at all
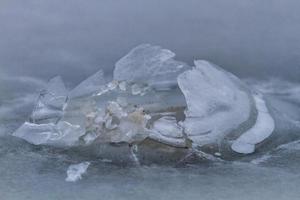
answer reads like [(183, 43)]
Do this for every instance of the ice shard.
[(217, 102), (149, 64), (61, 134), (93, 84), (51, 102)]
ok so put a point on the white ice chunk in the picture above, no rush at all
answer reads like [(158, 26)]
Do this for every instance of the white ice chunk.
[(261, 130), (75, 172), (175, 142), (217, 102), (51, 102), (151, 65), (166, 130), (168, 127), (93, 84), (243, 147), (61, 134)]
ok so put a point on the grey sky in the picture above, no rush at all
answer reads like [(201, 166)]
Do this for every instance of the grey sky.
[(74, 38)]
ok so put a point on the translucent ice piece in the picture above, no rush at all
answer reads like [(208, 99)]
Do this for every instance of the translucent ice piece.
[(166, 130), (43, 113), (61, 134), (151, 65), (93, 84), (168, 127), (261, 130), (131, 128), (75, 172), (51, 102), (35, 133), (217, 102)]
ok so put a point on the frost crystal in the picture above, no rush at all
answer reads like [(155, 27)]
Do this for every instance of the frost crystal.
[(61, 134)]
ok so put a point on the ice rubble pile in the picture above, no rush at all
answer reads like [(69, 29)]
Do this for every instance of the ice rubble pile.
[(152, 96)]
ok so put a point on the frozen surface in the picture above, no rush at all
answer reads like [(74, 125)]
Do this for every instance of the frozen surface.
[(40, 174), (217, 103), (261, 130), (75, 172), (149, 64), (281, 88)]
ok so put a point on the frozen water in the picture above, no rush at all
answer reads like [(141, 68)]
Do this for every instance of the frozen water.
[(208, 106), (93, 84), (217, 102), (131, 127), (149, 64), (51, 102), (261, 130), (34, 172), (75, 172), (61, 134), (168, 131), (35, 133), (168, 127)]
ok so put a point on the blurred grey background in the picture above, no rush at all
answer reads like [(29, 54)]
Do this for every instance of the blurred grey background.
[(74, 38)]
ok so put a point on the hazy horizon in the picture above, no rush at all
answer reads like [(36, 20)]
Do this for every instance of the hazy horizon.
[(249, 38)]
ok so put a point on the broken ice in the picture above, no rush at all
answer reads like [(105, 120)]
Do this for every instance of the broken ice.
[(262, 129), (156, 106), (51, 102), (151, 65)]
